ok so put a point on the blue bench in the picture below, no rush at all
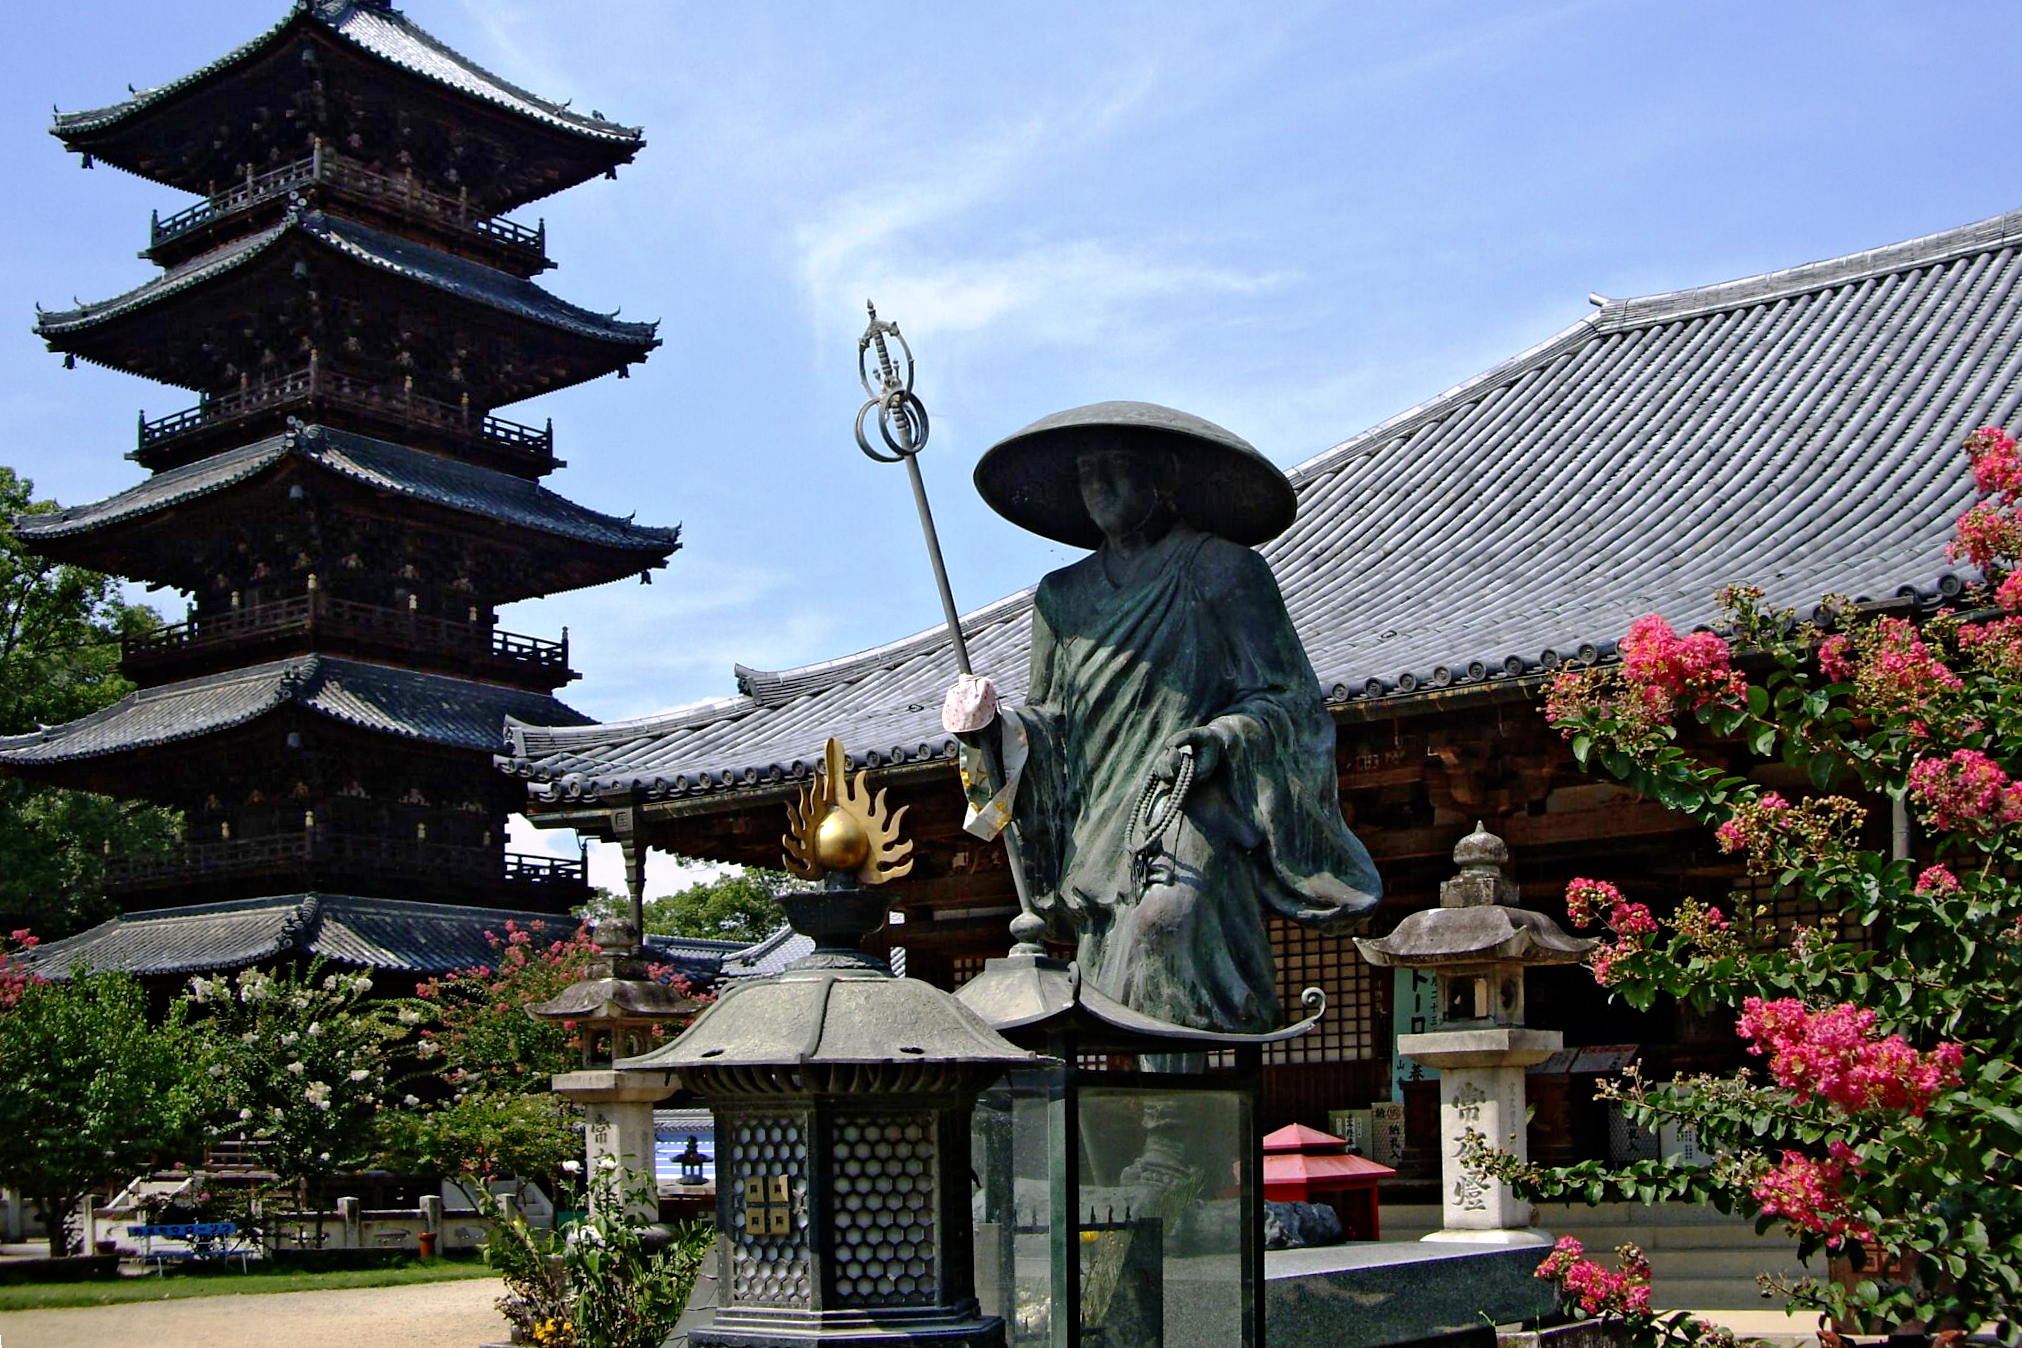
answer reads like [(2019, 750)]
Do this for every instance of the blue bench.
[(205, 1240)]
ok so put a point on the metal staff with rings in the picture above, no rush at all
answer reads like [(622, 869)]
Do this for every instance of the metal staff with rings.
[(902, 428)]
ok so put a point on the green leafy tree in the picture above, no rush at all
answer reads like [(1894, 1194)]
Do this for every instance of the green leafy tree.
[(60, 630), (95, 1090), (1885, 1124), (501, 1122), (304, 1065), (736, 907), (485, 1135)]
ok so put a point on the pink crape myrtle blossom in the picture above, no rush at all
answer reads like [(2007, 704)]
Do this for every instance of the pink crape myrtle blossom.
[(1996, 646), (1587, 899), (1986, 536), (1604, 960), (1967, 791), (1577, 695), (1668, 669), (1997, 470), (1586, 902), (1898, 671), (1754, 823), (1835, 1055), (1810, 1196), (14, 978), (1835, 659), (1933, 880), (1632, 919), (1599, 1291)]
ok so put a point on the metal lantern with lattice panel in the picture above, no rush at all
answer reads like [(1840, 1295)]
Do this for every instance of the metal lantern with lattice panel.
[(842, 1098)]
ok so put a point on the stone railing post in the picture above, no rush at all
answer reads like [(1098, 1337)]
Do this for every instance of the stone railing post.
[(347, 1212), (431, 1214)]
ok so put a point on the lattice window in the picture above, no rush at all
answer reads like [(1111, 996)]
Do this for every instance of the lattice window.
[(1350, 1031), (962, 968), (1791, 909)]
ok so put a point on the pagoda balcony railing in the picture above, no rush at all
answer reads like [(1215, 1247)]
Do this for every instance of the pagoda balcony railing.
[(333, 852), (345, 619), (532, 445), (399, 192)]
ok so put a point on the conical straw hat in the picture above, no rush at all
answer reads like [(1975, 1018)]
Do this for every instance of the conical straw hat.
[(1225, 486)]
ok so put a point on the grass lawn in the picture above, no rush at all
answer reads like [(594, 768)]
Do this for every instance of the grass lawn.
[(55, 1296)]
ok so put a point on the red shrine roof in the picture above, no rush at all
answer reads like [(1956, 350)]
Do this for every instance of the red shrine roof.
[(1296, 1155), (1298, 1137)]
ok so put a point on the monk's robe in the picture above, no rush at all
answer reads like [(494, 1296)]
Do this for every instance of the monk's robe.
[(1127, 652)]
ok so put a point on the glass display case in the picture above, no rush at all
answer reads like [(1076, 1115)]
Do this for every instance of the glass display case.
[(1124, 1180)]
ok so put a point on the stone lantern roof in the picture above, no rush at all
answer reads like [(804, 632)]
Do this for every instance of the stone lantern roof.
[(1477, 920), (617, 983), (836, 1008)]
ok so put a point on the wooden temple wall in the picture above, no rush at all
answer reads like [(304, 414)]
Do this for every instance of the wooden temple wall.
[(1411, 786)]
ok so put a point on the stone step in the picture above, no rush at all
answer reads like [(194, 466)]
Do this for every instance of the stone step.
[(1700, 1259), (1580, 1214), (1711, 1294)]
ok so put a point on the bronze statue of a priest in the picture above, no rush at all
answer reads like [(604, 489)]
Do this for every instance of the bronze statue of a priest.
[(1171, 770)]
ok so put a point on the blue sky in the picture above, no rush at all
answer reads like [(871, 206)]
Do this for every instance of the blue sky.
[(1295, 220)]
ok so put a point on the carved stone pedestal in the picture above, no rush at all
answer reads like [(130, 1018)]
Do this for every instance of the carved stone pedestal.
[(1481, 1088), (618, 1122)]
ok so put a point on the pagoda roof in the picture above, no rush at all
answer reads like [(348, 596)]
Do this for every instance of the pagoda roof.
[(1797, 430), (86, 532), (381, 34), (457, 277), (431, 708), (389, 934)]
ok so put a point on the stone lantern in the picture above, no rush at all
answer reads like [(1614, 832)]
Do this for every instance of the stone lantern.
[(1477, 943), (842, 1098), (614, 1008)]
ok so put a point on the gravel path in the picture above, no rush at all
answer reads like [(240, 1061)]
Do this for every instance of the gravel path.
[(420, 1315)]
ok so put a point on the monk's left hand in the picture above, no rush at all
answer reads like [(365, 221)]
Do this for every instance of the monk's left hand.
[(1207, 747)]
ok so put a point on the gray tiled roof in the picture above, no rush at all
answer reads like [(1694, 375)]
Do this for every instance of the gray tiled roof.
[(428, 938), (444, 272), (376, 463), (1798, 430), (384, 32), (769, 956), (394, 934), (460, 713)]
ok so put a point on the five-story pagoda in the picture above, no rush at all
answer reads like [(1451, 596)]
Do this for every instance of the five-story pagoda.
[(343, 506)]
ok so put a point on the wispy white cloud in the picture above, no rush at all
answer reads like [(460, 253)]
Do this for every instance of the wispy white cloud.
[(705, 614), (928, 242)]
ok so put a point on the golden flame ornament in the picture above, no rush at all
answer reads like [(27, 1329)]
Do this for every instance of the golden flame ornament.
[(837, 826)]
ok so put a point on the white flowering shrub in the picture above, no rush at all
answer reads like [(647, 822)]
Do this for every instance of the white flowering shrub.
[(304, 1065)]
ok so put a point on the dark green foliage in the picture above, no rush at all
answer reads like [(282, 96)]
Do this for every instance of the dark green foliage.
[(597, 1285), (94, 1092), (729, 908), (60, 628), (484, 1135)]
